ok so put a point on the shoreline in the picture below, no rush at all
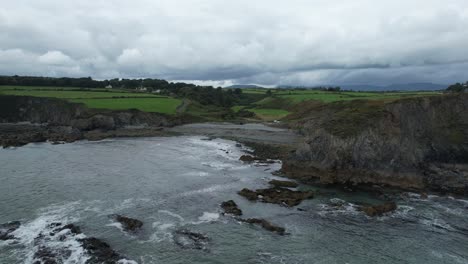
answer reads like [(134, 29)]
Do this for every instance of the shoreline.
[(266, 142)]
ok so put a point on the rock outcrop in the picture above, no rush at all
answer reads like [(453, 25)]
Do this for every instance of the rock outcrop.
[(25, 119), (187, 239), (414, 143), (7, 228), (280, 196), (265, 225), (128, 224), (230, 207), (378, 210)]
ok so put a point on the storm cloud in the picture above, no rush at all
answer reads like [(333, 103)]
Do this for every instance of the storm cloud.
[(295, 42)]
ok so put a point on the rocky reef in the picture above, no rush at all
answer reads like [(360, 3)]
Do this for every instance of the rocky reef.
[(378, 210), (128, 224), (187, 239), (25, 119), (276, 195), (230, 207), (413, 143), (53, 244), (265, 225)]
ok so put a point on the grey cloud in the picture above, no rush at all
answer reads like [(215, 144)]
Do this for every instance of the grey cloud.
[(265, 42)]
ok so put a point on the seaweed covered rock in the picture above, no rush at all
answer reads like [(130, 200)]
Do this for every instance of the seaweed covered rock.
[(247, 158), (7, 228), (230, 207), (277, 196), (187, 239), (265, 224), (378, 210), (99, 251), (128, 224)]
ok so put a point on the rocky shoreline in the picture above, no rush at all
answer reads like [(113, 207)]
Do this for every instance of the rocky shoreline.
[(26, 120), (412, 144)]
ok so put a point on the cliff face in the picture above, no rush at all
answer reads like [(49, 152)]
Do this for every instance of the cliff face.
[(410, 143), (55, 112), (58, 120)]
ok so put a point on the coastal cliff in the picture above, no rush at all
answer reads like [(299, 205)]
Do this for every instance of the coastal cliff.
[(414, 143), (25, 119)]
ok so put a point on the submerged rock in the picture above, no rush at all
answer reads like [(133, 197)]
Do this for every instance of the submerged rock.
[(277, 196), (99, 251), (190, 240), (230, 207), (7, 228), (379, 210), (287, 184), (265, 224), (53, 245), (128, 224)]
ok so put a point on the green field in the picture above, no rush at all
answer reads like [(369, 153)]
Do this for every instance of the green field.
[(270, 114), (100, 98), (328, 97), (63, 94), (282, 102)]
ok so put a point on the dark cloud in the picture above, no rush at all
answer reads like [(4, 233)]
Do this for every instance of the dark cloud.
[(218, 42)]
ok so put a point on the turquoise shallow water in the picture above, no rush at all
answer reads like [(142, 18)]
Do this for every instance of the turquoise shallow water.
[(179, 182)]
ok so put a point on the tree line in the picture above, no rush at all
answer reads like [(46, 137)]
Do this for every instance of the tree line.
[(458, 88), (204, 94)]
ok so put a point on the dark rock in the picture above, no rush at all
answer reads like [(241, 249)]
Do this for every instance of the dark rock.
[(230, 207), (73, 229), (128, 224), (247, 158), (423, 196), (287, 184), (277, 196), (7, 228), (416, 143), (378, 210), (45, 255), (265, 224), (99, 251), (190, 240), (249, 194)]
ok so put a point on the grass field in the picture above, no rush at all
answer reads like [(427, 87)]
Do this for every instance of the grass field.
[(328, 97), (281, 103), (277, 106), (100, 98), (73, 94), (270, 114)]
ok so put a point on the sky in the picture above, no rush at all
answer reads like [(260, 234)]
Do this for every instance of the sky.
[(220, 42)]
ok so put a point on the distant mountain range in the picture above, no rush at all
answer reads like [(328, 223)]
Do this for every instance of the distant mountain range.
[(361, 87)]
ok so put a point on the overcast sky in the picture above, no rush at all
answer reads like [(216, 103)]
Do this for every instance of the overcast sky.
[(268, 42)]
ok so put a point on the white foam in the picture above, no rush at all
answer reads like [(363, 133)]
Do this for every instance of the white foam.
[(126, 261), (28, 233), (207, 217), (116, 225), (438, 223), (172, 214), (346, 209)]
